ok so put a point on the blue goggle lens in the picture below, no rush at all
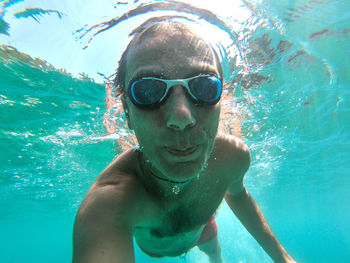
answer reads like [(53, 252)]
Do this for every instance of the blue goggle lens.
[(147, 91), (206, 89)]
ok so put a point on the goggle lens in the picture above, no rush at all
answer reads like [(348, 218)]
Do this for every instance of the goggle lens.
[(206, 89), (147, 91)]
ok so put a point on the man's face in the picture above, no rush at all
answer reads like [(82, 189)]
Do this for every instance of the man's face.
[(177, 138)]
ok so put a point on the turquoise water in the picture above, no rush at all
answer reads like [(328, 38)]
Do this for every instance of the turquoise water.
[(59, 127)]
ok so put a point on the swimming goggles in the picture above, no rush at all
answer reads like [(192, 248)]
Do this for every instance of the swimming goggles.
[(151, 92)]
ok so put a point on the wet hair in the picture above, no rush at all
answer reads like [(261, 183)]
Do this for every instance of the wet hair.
[(150, 28)]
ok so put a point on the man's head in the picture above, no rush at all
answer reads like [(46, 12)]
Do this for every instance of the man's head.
[(163, 30), (177, 136)]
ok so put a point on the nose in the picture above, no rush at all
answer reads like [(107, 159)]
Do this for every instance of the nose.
[(180, 110)]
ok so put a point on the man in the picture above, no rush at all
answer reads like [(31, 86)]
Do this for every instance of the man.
[(165, 192)]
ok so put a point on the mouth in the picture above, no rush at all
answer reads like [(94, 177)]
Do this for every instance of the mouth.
[(182, 152)]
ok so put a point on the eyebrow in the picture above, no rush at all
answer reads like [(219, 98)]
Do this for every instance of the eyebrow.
[(162, 76), (144, 75)]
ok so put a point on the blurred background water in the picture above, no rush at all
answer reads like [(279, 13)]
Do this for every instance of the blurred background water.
[(60, 126)]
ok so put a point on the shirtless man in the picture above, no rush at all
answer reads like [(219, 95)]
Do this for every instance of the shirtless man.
[(165, 192)]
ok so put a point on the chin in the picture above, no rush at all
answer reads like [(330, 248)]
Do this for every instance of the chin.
[(185, 170), (182, 169)]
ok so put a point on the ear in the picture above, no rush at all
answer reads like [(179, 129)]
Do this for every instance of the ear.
[(126, 112)]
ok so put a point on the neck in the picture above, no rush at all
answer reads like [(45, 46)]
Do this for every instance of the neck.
[(166, 179), (161, 184)]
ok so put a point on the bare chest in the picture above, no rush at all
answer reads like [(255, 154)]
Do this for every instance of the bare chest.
[(179, 223)]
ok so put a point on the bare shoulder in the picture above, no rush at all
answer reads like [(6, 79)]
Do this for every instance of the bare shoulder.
[(231, 158), (112, 207), (117, 196), (232, 149)]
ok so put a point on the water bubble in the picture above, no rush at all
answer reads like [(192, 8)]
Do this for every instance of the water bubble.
[(205, 166)]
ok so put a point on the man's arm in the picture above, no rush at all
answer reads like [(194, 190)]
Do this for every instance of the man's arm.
[(102, 229), (250, 215)]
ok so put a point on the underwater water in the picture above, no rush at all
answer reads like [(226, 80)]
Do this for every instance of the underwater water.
[(60, 126)]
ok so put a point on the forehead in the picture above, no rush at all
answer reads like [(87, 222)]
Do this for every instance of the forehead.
[(171, 55)]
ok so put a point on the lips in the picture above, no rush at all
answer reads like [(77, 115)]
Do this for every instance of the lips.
[(182, 151)]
